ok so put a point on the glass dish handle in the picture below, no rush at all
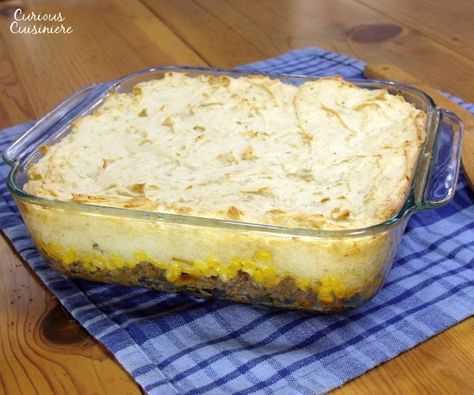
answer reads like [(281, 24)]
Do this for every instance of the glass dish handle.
[(42, 129), (444, 168)]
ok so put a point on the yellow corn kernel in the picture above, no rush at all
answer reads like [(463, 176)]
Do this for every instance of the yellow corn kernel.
[(211, 261), (325, 295), (228, 271), (248, 267), (263, 255), (269, 275), (69, 257), (205, 268), (53, 251), (303, 283), (173, 272), (141, 257), (89, 267), (96, 260), (158, 264), (235, 266), (210, 271), (257, 276), (340, 290), (116, 261), (224, 273), (331, 287), (199, 267), (108, 265)]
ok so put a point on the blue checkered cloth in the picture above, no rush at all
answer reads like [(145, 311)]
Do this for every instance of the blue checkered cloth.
[(175, 344)]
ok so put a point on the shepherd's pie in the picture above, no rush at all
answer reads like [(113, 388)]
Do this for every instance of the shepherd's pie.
[(324, 154)]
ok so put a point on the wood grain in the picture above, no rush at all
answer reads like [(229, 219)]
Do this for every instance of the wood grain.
[(436, 366), (14, 104), (110, 39), (229, 33), (434, 19), (42, 349)]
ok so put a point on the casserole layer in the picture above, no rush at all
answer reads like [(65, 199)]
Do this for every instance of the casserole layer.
[(108, 248), (327, 296), (322, 155)]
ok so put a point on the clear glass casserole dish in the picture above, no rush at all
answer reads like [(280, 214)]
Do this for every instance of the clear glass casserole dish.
[(327, 270)]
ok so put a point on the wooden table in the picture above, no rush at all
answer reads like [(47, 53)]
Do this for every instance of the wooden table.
[(42, 349)]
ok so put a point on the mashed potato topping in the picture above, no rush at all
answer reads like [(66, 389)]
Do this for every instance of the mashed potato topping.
[(322, 155)]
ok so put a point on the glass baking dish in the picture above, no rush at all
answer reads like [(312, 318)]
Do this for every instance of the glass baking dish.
[(326, 270)]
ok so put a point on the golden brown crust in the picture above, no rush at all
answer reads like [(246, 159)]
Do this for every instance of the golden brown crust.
[(325, 155)]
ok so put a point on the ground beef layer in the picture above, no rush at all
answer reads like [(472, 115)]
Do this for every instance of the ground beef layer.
[(242, 288)]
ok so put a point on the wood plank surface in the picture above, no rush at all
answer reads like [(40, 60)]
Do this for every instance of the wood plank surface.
[(448, 22), (14, 105), (110, 39), (233, 32), (42, 349)]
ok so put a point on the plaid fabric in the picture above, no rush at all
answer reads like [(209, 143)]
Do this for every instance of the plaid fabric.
[(175, 344)]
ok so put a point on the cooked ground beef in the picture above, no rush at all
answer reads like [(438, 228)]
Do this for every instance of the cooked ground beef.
[(241, 288)]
